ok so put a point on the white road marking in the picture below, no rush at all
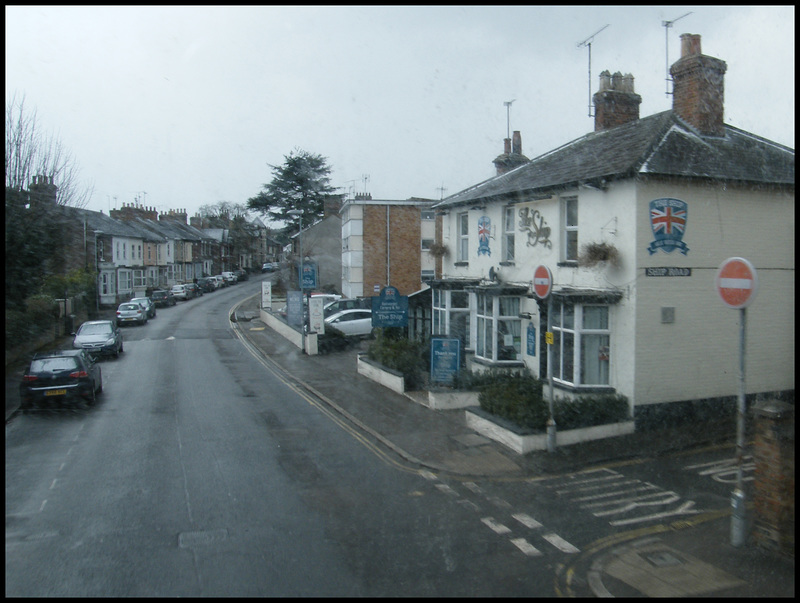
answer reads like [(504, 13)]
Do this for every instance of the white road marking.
[(526, 547), (498, 528), (527, 520), (561, 544)]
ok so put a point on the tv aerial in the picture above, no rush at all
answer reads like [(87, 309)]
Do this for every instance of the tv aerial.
[(667, 25), (588, 43), (508, 117)]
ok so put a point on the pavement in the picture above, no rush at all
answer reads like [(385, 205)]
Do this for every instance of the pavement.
[(682, 559)]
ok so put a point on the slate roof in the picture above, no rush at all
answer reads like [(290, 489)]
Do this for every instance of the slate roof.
[(660, 145)]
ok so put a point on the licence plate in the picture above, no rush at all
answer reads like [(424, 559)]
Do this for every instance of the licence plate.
[(56, 392)]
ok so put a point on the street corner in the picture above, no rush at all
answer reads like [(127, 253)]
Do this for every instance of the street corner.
[(651, 568)]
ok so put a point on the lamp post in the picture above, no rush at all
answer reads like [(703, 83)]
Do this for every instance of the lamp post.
[(299, 214), (97, 274)]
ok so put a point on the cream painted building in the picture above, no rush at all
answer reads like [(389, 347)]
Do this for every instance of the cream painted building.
[(633, 221)]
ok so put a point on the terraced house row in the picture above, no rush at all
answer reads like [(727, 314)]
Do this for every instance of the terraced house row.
[(136, 249)]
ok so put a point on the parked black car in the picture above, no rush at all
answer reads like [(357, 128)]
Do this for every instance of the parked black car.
[(206, 284), (194, 289), (99, 338), (163, 299), (54, 378), (241, 275)]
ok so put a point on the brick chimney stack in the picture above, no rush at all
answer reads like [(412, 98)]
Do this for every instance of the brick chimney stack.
[(512, 156), (615, 103), (698, 93)]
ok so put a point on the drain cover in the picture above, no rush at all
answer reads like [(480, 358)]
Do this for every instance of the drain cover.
[(188, 539), (663, 559)]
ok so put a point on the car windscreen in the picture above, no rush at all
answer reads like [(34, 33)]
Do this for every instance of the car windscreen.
[(95, 330), (53, 365)]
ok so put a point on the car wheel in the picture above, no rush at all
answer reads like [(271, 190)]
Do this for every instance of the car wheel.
[(120, 349), (100, 389)]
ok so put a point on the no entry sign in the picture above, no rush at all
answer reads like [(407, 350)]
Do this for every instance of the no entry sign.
[(737, 282), (542, 281)]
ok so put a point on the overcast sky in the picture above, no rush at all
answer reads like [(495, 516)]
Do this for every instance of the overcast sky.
[(182, 107)]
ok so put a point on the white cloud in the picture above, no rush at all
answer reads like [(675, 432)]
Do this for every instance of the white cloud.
[(192, 104)]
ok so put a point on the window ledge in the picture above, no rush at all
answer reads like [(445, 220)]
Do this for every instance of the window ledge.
[(460, 264), (498, 363), (568, 264), (507, 263), (584, 389)]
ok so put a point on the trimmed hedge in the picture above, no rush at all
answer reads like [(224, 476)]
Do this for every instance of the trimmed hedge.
[(519, 398)]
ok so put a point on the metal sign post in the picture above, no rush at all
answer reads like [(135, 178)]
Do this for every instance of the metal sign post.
[(737, 285), (542, 286)]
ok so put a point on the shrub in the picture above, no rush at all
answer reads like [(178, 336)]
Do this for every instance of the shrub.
[(516, 398), (393, 350), (588, 411)]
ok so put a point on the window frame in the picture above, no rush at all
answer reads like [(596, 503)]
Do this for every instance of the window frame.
[(569, 246), (462, 223), (571, 369), (508, 233), (488, 322)]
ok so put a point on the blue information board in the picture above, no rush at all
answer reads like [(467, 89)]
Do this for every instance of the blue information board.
[(390, 309), (308, 276), (531, 338), (445, 359)]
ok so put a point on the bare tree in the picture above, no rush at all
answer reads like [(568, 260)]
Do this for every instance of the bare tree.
[(29, 153)]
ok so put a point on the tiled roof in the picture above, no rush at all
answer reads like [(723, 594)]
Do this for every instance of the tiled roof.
[(660, 144)]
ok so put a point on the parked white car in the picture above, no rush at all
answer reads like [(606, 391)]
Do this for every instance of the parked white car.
[(180, 292), (352, 323), (230, 278)]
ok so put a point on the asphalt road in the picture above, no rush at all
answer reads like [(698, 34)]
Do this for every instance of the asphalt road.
[(200, 473)]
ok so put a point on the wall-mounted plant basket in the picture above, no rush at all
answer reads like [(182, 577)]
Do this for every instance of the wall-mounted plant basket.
[(438, 250), (599, 253)]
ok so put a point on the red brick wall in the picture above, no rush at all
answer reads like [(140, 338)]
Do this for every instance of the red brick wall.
[(404, 248)]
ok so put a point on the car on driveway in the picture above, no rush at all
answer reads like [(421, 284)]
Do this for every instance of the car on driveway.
[(360, 303), (62, 375), (163, 299), (99, 338), (131, 312), (147, 304), (351, 323), (180, 292)]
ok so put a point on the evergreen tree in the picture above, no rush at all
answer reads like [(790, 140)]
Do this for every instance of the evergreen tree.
[(302, 183)]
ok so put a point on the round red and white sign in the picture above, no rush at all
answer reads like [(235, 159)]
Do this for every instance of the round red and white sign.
[(542, 281), (737, 282)]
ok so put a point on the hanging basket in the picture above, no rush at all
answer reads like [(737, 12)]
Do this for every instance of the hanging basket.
[(599, 253)]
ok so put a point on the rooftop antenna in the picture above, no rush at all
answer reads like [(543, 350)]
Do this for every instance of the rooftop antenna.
[(588, 43), (442, 189), (508, 116), (667, 25), (365, 178)]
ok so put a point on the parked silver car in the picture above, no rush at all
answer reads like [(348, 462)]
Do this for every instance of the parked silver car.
[(99, 338), (147, 304), (131, 312)]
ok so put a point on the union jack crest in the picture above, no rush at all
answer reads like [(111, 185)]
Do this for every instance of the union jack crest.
[(484, 232), (668, 220)]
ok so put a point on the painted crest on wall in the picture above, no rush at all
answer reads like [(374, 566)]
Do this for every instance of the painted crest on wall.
[(484, 232), (668, 219)]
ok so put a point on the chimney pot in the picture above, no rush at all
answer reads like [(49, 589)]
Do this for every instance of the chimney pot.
[(507, 146), (516, 145), (690, 45)]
